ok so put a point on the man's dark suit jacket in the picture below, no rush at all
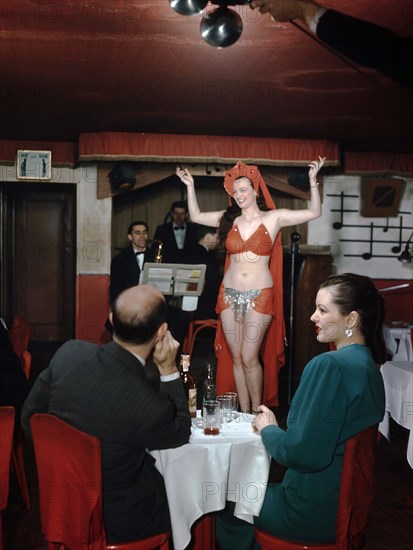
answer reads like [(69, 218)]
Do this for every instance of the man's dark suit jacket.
[(171, 253), (208, 299), (124, 271), (369, 45), (104, 391)]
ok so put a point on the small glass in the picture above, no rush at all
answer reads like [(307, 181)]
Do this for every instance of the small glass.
[(226, 408), (212, 417), (233, 405), (198, 421)]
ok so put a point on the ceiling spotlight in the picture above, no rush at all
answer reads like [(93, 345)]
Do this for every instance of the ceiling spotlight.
[(405, 257), (188, 7), (221, 27)]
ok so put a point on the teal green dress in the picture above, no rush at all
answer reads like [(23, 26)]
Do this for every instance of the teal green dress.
[(340, 394)]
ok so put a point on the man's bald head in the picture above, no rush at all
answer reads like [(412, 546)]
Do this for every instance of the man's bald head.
[(138, 312)]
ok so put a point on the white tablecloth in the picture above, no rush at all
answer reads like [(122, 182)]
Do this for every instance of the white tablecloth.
[(202, 475), (398, 384)]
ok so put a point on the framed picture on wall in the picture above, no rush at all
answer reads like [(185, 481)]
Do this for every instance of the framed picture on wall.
[(34, 165)]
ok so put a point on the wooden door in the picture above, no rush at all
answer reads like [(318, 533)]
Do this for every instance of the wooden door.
[(41, 254)]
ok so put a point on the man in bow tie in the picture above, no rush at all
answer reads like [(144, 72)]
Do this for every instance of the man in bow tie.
[(179, 236), (126, 267)]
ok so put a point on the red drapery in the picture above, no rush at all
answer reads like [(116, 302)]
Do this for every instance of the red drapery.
[(378, 163), (172, 148), (215, 149)]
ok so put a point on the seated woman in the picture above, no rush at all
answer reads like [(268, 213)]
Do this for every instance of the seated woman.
[(247, 302), (341, 393)]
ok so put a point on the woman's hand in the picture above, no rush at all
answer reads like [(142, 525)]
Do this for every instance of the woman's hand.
[(264, 418), (185, 176), (315, 167)]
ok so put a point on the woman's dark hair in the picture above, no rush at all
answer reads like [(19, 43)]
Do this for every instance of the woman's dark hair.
[(233, 211), (139, 326), (352, 292)]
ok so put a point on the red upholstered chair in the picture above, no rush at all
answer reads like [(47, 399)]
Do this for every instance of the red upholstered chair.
[(7, 415), (194, 327), (70, 488), (17, 456), (19, 336), (356, 495)]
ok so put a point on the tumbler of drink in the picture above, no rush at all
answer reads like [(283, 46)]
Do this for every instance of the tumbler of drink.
[(233, 404), (225, 404), (212, 417)]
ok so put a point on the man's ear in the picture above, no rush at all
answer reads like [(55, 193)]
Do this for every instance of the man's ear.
[(111, 318), (162, 331), (129, 237)]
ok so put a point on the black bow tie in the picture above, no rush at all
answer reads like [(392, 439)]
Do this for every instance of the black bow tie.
[(176, 228), (139, 253)]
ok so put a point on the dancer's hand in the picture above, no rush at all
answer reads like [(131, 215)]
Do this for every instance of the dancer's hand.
[(315, 167), (185, 176)]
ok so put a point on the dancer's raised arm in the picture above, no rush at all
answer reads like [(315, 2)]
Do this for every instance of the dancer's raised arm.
[(288, 217), (205, 218)]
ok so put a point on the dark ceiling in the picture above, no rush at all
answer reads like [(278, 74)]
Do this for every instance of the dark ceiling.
[(73, 66)]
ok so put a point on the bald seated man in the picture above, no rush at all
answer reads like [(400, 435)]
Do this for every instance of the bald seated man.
[(364, 42), (104, 391)]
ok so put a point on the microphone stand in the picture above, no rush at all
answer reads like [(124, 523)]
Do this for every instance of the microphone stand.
[(294, 239)]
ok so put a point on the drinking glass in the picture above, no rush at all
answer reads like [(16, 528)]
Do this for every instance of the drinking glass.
[(212, 417), (233, 405), (225, 403)]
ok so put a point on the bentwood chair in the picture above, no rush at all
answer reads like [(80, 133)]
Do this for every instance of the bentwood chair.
[(70, 488), (7, 415), (356, 495), (195, 326)]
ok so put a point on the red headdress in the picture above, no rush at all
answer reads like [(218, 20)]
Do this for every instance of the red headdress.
[(242, 170), (272, 349)]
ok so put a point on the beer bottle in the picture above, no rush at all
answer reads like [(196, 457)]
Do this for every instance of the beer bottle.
[(189, 383)]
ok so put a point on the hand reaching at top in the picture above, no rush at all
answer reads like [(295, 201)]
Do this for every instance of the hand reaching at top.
[(185, 176), (286, 10)]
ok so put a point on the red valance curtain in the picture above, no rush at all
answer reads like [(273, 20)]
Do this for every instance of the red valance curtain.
[(378, 163), (172, 148)]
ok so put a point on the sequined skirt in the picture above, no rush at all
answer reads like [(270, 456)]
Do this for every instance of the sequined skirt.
[(241, 301)]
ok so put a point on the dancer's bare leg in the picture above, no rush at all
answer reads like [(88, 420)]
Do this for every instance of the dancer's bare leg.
[(233, 334), (244, 341), (254, 329)]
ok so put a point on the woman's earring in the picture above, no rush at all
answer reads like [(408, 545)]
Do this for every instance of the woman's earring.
[(349, 332)]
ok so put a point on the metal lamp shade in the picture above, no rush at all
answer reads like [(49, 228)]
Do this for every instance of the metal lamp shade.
[(188, 7), (221, 28)]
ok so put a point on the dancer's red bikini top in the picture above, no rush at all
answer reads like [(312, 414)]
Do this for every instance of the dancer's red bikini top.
[(259, 243)]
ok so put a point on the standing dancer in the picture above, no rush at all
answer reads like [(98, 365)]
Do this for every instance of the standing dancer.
[(250, 298)]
